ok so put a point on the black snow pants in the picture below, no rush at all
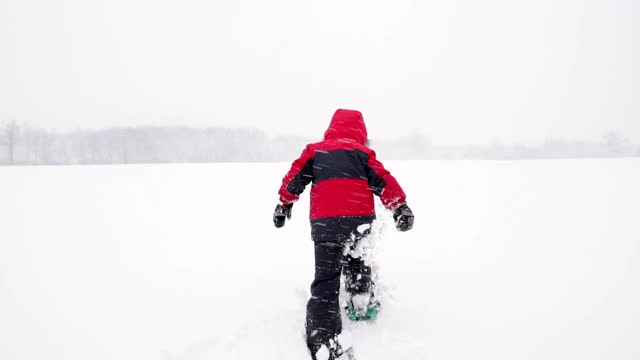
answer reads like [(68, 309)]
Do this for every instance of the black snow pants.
[(332, 258)]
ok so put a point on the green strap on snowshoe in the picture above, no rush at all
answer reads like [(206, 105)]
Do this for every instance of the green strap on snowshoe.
[(370, 314)]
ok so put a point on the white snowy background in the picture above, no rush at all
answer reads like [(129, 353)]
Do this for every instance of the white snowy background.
[(507, 260)]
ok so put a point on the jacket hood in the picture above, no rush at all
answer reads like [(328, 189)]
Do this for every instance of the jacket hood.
[(347, 124)]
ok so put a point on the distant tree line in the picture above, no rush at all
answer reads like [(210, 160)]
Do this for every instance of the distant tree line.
[(20, 144)]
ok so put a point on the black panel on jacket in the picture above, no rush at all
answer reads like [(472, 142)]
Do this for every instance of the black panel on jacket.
[(302, 178), (339, 164), (376, 183)]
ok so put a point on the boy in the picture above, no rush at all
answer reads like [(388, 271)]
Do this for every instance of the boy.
[(345, 175)]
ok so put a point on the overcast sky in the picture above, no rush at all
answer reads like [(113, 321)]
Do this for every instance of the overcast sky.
[(462, 71)]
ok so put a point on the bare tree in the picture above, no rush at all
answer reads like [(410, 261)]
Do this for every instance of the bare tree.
[(614, 142), (10, 132)]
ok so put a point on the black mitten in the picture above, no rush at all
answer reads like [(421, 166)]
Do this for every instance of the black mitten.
[(281, 213), (403, 216)]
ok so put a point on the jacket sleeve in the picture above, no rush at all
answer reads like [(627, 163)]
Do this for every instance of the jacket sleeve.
[(383, 184), (298, 177)]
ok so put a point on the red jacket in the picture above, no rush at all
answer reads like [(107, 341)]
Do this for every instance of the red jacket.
[(344, 172)]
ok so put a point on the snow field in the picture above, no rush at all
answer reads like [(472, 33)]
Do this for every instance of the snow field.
[(507, 260)]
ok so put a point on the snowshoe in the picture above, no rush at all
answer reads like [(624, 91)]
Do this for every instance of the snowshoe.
[(338, 348), (362, 307)]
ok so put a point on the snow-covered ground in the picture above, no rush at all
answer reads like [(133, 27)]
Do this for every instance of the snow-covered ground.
[(507, 260)]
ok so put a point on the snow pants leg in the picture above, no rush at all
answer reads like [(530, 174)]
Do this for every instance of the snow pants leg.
[(323, 309), (357, 276)]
